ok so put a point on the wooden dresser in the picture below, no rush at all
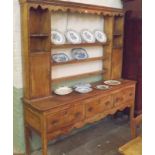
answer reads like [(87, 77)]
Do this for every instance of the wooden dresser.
[(51, 115)]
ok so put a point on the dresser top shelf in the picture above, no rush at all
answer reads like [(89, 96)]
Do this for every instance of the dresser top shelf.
[(57, 5), (55, 101)]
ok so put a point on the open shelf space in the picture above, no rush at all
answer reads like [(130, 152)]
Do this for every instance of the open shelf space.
[(39, 20), (79, 76), (68, 45), (39, 44), (78, 61)]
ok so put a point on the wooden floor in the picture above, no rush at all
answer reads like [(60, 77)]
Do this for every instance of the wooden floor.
[(103, 138)]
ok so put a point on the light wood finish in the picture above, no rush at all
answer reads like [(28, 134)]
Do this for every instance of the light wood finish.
[(58, 5), (79, 76), (134, 147), (117, 54), (134, 123), (79, 45), (78, 61), (108, 26), (40, 67), (48, 114), (116, 63)]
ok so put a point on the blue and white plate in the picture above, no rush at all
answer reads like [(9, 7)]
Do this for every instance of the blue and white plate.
[(82, 84), (87, 36), (73, 37), (60, 57), (100, 36), (83, 89), (79, 53), (57, 37)]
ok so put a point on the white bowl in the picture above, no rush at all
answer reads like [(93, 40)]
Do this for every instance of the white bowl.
[(83, 89), (82, 84), (63, 91)]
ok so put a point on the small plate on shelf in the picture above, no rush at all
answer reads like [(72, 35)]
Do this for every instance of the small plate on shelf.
[(63, 90), (73, 37), (100, 36), (57, 37), (112, 82), (79, 53), (60, 57), (83, 90), (102, 87), (87, 36)]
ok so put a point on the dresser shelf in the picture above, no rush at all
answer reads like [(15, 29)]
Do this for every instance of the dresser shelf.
[(79, 45), (78, 61), (78, 76)]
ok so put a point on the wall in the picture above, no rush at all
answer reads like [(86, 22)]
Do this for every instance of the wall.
[(18, 132)]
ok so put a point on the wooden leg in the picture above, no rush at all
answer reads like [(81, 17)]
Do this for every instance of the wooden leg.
[(132, 124), (44, 144), (27, 140)]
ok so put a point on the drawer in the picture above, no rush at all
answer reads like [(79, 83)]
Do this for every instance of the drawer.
[(65, 118), (98, 106), (124, 96)]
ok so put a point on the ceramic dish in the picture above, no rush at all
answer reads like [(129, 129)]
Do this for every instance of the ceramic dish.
[(60, 57), (82, 85), (63, 91), (83, 89), (112, 82), (79, 54), (57, 37), (87, 36), (102, 87), (73, 37), (100, 36)]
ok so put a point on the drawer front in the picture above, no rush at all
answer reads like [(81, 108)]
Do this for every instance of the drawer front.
[(98, 106), (124, 96), (65, 118)]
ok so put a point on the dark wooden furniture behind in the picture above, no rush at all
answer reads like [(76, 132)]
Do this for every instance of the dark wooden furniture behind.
[(132, 57), (50, 115)]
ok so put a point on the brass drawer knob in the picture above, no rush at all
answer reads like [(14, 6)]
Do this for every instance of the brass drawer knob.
[(77, 114), (130, 94), (107, 103), (90, 109), (118, 99), (54, 122)]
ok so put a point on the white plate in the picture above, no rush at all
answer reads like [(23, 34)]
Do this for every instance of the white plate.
[(60, 57), (63, 91), (57, 37), (73, 37), (100, 36), (87, 36), (83, 89), (102, 87), (79, 53), (112, 82)]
